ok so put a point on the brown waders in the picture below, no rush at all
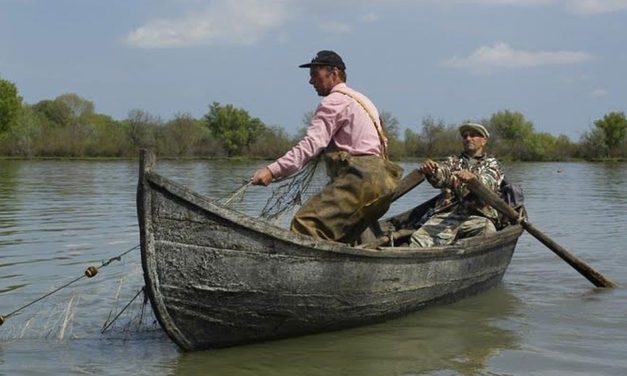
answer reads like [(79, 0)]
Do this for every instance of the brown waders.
[(360, 192)]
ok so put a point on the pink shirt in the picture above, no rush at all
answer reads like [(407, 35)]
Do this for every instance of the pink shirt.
[(338, 119)]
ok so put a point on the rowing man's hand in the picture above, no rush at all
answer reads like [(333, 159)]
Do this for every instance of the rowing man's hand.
[(429, 167), (465, 176)]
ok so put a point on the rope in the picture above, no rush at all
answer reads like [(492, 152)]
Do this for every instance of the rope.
[(89, 273), (108, 324), (380, 132), (239, 193)]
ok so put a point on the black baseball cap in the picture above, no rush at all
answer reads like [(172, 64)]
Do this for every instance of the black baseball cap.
[(326, 57)]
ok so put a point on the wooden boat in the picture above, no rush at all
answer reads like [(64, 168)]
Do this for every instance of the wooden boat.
[(216, 277)]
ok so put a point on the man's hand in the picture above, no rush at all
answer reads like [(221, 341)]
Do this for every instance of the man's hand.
[(429, 167), (465, 176), (263, 176)]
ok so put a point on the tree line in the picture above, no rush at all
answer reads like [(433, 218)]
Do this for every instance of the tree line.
[(69, 126)]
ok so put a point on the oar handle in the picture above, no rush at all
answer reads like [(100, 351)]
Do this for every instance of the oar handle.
[(491, 198), (409, 182)]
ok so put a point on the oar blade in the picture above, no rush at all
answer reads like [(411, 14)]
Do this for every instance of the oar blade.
[(491, 198)]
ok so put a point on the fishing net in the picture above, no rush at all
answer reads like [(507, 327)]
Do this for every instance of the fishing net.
[(114, 299), (111, 305), (290, 193)]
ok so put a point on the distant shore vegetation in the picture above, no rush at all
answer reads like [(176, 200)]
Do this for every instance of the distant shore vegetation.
[(69, 127)]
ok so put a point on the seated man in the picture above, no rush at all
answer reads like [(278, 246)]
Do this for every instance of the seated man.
[(458, 214)]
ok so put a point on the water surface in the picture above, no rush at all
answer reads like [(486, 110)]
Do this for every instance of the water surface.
[(59, 217)]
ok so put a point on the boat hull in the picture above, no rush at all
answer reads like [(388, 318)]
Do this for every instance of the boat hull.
[(218, 278)]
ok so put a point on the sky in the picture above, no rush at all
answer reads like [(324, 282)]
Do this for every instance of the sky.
[(561, 63)]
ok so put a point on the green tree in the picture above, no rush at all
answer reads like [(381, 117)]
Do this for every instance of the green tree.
[(57, 113), (183, 136), (540, 147), (508, 125), (141, 129), (391, 127), (592, 144), (234, 127), (563, 148), (80, 108), (613, 126), (110, 138), (412, 143), (511, 134), (272, 143), (431, 135), (390, 124), (10, 105), (20, 138)]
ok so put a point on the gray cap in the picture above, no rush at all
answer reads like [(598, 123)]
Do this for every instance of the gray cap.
[(474, 127)]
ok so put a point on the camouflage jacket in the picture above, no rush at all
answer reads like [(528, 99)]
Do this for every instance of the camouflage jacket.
[(487, 169)]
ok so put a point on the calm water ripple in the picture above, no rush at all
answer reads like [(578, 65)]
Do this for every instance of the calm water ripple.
[(58, 217)]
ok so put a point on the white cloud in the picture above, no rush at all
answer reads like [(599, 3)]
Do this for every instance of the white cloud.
[(450, 3), (501, 55), (581, 7), (246, 22), (501, 2), (599, 93), (588, 7), (221, 22)]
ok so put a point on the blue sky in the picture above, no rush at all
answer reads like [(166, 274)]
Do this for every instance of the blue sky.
[(562, 63)]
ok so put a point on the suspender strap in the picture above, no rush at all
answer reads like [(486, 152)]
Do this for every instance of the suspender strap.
[(382, 137)]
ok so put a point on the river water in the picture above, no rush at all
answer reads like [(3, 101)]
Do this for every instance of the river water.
[(59, 217)]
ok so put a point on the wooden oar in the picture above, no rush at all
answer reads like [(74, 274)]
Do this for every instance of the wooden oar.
[(495, 201), (409, 182)]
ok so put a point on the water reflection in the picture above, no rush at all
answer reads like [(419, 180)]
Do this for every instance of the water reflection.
[(8, 189), (461, 337)]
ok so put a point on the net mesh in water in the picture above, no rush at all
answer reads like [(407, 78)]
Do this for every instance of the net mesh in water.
[(113, 300), (113, 304)]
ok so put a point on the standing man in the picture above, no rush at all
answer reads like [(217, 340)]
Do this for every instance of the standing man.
[(347, 129), (458, 214)]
